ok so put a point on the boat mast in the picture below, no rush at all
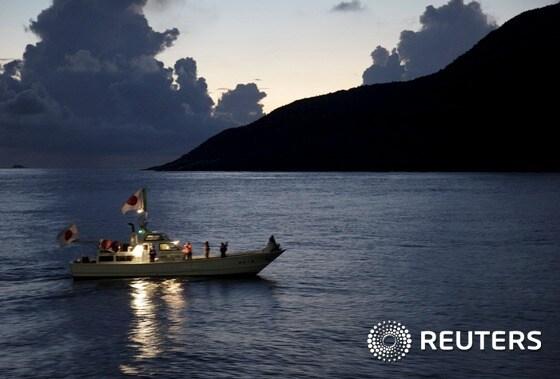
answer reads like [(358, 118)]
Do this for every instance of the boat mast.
[(143, 216), (145, 202)]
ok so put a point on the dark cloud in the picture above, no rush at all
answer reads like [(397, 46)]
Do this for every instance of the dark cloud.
[(26, 103), (241, 105), (12, 68), (92, 88), (445, 33), (386, 67), (10, 85), (193, 90), (348, 6), (107, 29)]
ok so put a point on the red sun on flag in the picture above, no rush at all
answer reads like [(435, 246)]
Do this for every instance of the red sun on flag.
[(134, 203), (68, 234)]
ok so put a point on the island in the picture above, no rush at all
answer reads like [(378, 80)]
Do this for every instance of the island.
[(492, 109)]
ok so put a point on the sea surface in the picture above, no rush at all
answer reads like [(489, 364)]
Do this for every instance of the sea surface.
[(434, 251)]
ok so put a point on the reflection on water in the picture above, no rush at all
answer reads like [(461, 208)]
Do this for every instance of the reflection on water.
[(176, 303), (185, 320), (144, 333), (151, 300)]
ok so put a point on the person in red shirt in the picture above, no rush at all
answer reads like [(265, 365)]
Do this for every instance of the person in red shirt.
[(187, 250)]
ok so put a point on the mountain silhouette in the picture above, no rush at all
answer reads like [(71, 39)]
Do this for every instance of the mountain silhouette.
[(493, 109)]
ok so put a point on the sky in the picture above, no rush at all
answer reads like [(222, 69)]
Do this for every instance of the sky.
[(290, 49), (138, 83)]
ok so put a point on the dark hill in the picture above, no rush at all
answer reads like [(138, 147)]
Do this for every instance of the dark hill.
[(494, 108)]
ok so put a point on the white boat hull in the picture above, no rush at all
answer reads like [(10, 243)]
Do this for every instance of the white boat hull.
[(247, 263)]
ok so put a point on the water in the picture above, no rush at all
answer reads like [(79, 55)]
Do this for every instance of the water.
[(433, 251)]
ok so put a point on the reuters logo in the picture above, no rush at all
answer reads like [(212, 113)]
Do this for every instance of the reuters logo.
[(389, 341)]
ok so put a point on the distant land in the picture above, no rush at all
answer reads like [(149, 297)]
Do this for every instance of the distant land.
[(495, 108)]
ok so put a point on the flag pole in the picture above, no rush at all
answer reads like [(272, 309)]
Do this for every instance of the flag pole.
[(145, 197), (86, 241)]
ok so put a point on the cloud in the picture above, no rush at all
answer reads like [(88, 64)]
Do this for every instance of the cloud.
[(161, 5), (445, 33), (386, 67), (348, 6), (193, 91), (241, 105), (92, 88)]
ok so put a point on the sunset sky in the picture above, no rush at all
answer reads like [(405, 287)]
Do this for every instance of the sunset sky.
[(290, 49)]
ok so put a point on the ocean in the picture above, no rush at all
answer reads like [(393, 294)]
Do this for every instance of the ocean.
[(433, 251)]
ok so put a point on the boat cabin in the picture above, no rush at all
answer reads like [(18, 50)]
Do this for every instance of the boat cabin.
[(138, 251)]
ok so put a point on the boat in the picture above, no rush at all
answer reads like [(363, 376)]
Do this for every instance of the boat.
[(153, 254)]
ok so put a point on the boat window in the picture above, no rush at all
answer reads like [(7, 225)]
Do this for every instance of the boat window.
[(124, 258), (105, 258), (167, 246), (156, 237), (152, 237)]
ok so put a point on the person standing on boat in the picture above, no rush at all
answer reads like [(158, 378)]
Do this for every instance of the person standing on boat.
[(187, 250), (206, 249), (223, 249), (272, 244), (152, 254)]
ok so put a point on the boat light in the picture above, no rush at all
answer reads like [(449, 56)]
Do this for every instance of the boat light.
[(137, 251)]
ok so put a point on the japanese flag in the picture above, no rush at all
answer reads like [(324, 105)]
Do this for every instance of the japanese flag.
[(134, 202), (68, 235)]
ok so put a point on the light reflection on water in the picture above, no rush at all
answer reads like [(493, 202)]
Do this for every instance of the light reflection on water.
[(144, 333), (148, 335), (176, 304)]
